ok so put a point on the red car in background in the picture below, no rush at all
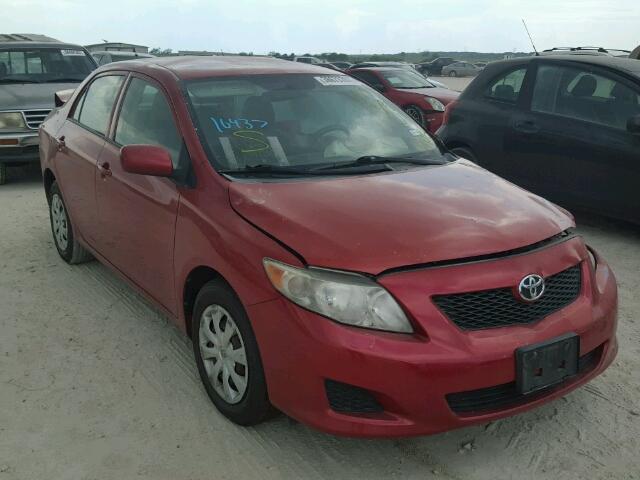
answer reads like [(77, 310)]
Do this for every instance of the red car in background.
[(416, 95), (327, 257)]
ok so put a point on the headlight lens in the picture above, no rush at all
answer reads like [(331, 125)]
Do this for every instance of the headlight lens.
[(344, 297), (11, 121), (435, 104)]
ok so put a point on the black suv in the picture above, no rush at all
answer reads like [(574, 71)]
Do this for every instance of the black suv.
[(566, 127), (32, 69), (434, 67)]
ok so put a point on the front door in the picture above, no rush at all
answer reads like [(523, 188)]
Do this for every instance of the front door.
[(582, 152), (137, 213)]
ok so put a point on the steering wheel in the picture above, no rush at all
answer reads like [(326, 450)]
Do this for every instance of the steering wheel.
[(324, 131)]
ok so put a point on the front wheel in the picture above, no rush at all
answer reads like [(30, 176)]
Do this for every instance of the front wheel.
[(227, 355), (416, 113), (453, 73), (63, 234)]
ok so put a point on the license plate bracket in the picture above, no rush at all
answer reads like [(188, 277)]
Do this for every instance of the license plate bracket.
[(545, 364)]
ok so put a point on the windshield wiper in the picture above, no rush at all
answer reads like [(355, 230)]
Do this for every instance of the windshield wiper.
[(378, 160), (63, 79), (17, 80), (278, 170)]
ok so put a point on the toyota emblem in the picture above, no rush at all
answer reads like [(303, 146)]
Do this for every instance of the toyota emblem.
[(531, 287)]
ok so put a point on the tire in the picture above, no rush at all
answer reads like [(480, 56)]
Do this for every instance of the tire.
[(62, 230), (217, 308), (3, 173), (416, 113), (453, 73), (465, 153)]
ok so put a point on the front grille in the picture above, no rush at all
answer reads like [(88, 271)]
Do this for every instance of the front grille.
[(35, 117), (506, 395), (347, 398), (500, 308)]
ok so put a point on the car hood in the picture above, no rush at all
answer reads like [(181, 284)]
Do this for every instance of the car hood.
[(376, 222), (442, 94), (30, 96)]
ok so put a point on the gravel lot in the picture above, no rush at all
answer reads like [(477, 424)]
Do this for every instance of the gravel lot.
[(97, 384)]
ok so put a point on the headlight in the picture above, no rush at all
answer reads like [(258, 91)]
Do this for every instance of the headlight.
[(435, 104), (344, 297), (11, 121)]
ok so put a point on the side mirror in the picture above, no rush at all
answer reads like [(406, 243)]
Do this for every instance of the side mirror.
[(146, 160), (62, 96), (633, 125)]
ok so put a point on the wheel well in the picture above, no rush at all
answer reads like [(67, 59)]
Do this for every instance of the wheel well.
[(197, 279), (48, 180)]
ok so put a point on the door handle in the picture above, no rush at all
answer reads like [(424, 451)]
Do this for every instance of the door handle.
[(105, 170), (526, 126), (61, 146)]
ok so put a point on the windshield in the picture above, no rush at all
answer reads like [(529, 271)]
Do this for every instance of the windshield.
[(42, 65), (405, 79), (302, 121)]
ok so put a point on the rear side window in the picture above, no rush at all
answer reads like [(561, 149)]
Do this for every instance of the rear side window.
[(368, 78), (93, 110), (146, 118), (584, 95), (507, 88)]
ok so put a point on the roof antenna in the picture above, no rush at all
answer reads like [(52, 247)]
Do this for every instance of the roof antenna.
[(531, 39)]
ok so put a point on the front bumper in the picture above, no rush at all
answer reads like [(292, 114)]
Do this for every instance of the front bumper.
[(410, 376), (19, 147)]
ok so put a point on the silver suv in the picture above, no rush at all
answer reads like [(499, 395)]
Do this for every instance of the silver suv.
[(32, 69)]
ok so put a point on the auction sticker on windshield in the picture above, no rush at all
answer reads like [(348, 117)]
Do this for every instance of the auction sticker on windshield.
[(72, 53), (332, 80)]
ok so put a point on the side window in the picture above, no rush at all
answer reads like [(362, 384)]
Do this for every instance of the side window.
[(507, 87), (94, 107), (146, 118), (584, 95)]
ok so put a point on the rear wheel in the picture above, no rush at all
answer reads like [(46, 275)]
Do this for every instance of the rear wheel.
[(465, 152), (63, 235), (453, 73), (227, 355), (3, 173), (416, 113)]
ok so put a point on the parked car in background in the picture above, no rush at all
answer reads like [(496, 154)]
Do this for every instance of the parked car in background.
[(32, 69), (102, 58), (310, 60), (325, 255), (565, 127), (418, 97), (587, 51), (434, 67), (342, 65), (406, 66), (460, 69)]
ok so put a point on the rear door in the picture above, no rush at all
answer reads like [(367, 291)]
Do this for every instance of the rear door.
[(137, 213), (80, 142), (489, 116), (581, 151)]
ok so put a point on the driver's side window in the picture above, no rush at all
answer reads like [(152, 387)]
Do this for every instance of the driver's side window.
[(370, 79)]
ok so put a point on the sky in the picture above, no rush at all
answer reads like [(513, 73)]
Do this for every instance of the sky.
[(348, 26)]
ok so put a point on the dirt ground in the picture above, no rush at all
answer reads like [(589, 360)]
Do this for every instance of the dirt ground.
[(96, 384)]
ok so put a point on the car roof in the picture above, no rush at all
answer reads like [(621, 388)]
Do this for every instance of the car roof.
[(194, 67), (628, 65), (57, 45)]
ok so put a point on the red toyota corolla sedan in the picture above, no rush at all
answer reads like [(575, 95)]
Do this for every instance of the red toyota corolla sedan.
[(415, 94), (325, 255)]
